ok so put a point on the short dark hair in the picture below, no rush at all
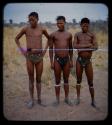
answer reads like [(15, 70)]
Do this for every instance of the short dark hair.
[(61, 18), (85, 20), (35, 14)]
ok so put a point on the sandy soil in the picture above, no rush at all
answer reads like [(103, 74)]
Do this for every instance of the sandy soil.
[(16, 95)]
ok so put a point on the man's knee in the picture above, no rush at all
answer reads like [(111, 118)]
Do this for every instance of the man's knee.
[(38, 80), (57, 81), (57, 84), (90, 83), (31, 78), (65, 80), (79, 80), (31, 84)]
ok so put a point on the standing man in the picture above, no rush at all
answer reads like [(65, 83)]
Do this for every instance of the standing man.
[(85, 43), (60, 51), (34, 54)]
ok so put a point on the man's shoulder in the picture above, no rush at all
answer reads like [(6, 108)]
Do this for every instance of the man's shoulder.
[(91, 34), (41, 27), (69, 33), (53, 33), (25, 28), (78, 33)]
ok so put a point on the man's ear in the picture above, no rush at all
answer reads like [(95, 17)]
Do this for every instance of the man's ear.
[(37, 19)]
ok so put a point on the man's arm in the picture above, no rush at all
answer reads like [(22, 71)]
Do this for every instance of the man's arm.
[(47, 36), (51, 50), (22, 32), (71, 51), (77, 45), (95, 44)]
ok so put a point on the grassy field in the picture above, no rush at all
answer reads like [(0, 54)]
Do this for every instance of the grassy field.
[(15, 74), (13, 58)]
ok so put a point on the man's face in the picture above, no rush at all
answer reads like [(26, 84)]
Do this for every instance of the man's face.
[(85, 27), (33, 21), (60, 24)]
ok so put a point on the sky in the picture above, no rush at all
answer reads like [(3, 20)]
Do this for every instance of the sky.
[(19, 12)]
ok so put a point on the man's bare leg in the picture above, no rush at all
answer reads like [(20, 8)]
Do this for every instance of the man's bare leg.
[(66, 89), (30, 70), (38, 87), (89, 74), (79, 71), (66, 72), (57, 92), (39, 70), (57, 72)]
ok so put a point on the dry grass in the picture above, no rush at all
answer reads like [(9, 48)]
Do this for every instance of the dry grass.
[(15, 86), (14, 62)]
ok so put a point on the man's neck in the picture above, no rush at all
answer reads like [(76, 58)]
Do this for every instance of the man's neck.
[(84, 31), (61, 30), (34, 27)]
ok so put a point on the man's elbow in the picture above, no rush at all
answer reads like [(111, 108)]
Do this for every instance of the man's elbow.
[(50, 48), (16, 39), (96, 48), (75, 46)]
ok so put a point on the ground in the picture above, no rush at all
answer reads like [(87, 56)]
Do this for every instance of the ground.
[(15, 99), (16, 94)]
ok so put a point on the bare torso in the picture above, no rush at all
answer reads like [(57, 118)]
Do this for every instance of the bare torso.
[(34, 38), (84, 38), (61, 43)]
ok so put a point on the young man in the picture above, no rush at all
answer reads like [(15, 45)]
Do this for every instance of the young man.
[(34, 54), (85, 41), (61, 58)]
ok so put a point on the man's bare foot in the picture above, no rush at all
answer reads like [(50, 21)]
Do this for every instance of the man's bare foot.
[(40, 103), (30, 104), (68, 102), (56, 103), (93, 104), (77, 101)]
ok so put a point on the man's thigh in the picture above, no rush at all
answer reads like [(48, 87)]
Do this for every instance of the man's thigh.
[(79, 70), (39, 69), (30, 67), (57, 71), (66, 72), (89, 72)]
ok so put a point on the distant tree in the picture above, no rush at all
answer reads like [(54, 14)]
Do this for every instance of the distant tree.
[(99, 25), (10, 21), (74, 21), (5, 21)]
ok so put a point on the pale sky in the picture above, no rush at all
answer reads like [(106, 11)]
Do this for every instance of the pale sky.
[(19, 12)]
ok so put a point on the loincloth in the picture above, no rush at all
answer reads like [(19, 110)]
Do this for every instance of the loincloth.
[(34, 57), (83, 61), (62, 60)]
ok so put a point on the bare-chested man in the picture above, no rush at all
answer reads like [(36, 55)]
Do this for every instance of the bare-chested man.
[(61, 57), (34, 54), (86, 41)]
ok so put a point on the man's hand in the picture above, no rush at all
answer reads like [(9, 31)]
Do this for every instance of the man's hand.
[(23, 52), (52, 65), (71, 63), (43, 53), (90, 45)]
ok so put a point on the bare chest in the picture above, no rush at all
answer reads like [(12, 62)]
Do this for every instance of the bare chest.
[(61, 38), (84, 38), (34, 33)]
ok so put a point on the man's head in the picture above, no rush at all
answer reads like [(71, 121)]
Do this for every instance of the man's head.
[(33, 19), (61, 22), (85, 24)]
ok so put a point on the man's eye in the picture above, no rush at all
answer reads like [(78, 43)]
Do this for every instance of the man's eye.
[(30, 20)]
